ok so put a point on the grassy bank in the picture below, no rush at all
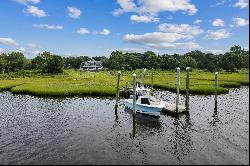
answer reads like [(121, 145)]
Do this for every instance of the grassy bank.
[(72, 83)]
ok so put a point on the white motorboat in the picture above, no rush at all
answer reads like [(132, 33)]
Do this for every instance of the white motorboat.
[(145, 103)]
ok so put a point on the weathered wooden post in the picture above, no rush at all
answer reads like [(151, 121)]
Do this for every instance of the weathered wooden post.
[(187, 88), (216, 89), (178, 82), (117, 90), (134, 94), (152, 79), (143, 76)]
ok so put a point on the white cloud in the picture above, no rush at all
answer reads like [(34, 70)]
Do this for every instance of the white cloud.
[(198, 21), (161, 40), (32, 45), (240, 22), (214, 51), (184, 45), (25, 2), (126, 6), (218, 34), (104, 32), (220, 2), (21, 49), (155, 37), (74, 12), (8, 41), (35, 11), (153, 7), (181, 29), (82, 31), (157, 6), (35, 52), (144, 19), (1, 50), (241, 4), (172, 36), (218, 22), (46, 26)]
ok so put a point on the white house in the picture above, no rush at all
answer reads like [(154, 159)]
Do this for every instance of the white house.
[(91, 65)]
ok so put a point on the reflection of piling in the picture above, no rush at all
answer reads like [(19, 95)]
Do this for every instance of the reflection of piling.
[(134, 122), (117, 90), (216, 89), (134, 93), (187, 89), (178, 88), (134, 103)]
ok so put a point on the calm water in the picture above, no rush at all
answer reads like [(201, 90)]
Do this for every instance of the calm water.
[(86, 131)]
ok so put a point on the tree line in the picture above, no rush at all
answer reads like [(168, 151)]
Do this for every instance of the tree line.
[(235, 59)]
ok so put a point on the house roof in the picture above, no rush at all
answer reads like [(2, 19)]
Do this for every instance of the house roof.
[(91, 63)]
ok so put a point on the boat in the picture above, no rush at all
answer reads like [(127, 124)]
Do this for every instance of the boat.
[(145, 102)]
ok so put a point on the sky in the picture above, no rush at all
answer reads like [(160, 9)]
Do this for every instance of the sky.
[(98, 27)]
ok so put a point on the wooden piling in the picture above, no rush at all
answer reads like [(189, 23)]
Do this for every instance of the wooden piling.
[(187, 88), (143, 76), (117, 90), (216, 89), (126, 89), (178, 88), (134, 93), (152, 79)]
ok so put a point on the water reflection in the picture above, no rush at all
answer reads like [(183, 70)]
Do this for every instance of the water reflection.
[(215, 117), (143, 123), (89, 131), (180, 141), (132, 143)]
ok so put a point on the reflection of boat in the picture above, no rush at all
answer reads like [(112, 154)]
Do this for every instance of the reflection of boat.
[(145, 103)]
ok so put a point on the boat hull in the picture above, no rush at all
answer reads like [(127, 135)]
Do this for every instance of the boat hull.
[(152, 110)]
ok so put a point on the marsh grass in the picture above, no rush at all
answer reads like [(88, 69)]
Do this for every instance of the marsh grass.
[(77, 83)]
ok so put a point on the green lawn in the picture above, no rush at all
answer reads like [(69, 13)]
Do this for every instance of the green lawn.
[(104, 83)]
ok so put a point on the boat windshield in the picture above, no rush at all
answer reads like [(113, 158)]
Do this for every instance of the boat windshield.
[(145, 101)]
